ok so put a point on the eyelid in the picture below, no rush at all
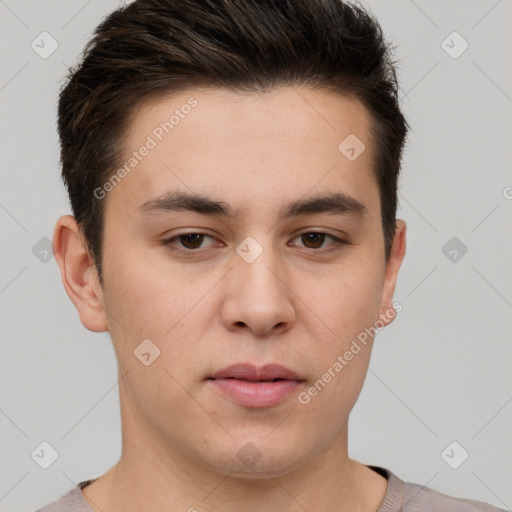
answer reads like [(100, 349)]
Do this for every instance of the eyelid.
[(169, 242), (336, 241)]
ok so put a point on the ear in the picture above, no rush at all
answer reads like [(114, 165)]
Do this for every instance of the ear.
[(79, 274), (387, 312)]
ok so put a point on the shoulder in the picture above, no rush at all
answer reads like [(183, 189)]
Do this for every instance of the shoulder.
[(418, 498), (72, 501), (404, 496)]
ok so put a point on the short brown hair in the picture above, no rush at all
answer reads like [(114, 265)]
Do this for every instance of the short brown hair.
[(151, 47)]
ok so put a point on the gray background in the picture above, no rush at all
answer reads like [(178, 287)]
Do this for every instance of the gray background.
[(440, 373)]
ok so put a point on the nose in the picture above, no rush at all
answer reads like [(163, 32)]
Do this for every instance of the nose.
[(258, 297)]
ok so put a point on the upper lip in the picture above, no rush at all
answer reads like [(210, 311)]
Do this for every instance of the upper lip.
[(249, 372)]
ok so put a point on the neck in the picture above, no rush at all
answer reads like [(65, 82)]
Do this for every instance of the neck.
[(150, 475)]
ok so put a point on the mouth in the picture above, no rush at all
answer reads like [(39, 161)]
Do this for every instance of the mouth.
[(251, 373), (253, 380), (256, 387)]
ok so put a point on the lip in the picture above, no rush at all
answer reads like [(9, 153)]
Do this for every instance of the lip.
[(253, 386)]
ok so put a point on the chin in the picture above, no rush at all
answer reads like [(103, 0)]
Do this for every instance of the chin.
[(252, 458)]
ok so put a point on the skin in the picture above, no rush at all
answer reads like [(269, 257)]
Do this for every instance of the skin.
[(290, 306)]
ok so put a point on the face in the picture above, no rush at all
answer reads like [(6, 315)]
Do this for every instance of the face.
[(249, 299)]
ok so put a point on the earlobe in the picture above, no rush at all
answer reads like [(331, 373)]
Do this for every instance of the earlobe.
[(387, 311), (79, 275)]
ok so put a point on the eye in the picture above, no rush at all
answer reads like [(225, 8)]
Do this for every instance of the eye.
[(190, 242), (315, 239)]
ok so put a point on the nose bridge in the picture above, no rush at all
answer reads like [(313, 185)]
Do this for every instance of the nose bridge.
[(258, 296), (257, 265)]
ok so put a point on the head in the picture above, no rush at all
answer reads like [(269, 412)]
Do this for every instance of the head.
[(250, 124)]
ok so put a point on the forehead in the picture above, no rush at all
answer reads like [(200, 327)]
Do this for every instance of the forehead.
[(250, 147), (284, 112)]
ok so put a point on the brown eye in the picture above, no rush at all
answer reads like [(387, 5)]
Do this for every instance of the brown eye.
[(313, 240), (187, 243), (191, 240)]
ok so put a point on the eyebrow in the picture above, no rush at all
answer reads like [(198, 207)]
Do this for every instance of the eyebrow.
[(334, 203)]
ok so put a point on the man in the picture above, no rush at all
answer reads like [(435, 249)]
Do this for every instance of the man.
[(232, 168)]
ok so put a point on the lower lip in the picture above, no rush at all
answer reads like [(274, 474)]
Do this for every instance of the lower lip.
[(256, 394)]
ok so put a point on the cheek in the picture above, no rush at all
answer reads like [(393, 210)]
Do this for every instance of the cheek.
[(341, 365), (134, 300), (143, 306), (348, 303), (143, 302), (348, 299)]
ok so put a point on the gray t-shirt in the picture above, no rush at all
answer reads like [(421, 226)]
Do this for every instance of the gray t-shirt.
[(400, 497)]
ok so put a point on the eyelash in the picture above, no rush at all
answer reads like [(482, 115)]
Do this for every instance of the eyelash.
[(337, 242)]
